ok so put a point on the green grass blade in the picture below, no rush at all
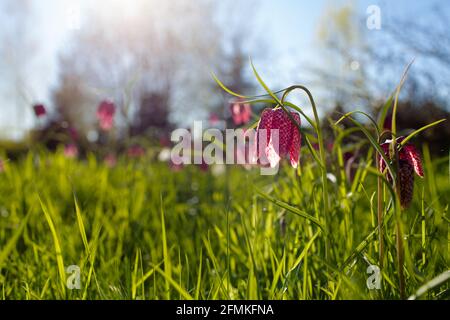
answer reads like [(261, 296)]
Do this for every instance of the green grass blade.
[(291, 209), (435, 282), (411, 135), (6, 250), (262, 83), (57, 246), (166, 256), (174, 284)]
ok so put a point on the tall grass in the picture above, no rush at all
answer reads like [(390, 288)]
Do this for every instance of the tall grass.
[(141, 231)]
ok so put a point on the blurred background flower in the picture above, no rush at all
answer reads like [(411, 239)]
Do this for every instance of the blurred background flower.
[(136, 151), (241, 113), (71, 150), (39, 110), (140, 56), (105, 115)]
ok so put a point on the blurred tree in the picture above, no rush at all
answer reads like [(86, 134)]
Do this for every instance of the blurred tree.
[(71, 99), (363, 70), (152, 116), (346, 58), (154, 62), (150, 64), (239, 41)]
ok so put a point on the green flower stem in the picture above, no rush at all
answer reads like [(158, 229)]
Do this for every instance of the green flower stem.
[(380, 216), (398, 209), (323, 167)]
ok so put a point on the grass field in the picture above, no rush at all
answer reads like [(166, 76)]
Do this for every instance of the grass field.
[(142, 231)]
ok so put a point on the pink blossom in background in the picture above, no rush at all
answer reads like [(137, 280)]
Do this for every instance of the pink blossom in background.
[(241, 113), (289, 136), (71, 150), (165, 142), (175, 167), (330, 146), (105, 114), (73, 133), (203, 166), (39, 110), (110, 160), (214, 119), (136, 151), (2, 166)]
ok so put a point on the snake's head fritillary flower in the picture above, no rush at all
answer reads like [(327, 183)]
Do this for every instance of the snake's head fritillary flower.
[(71, 150), (203, 166), (289, 138), (164, 142), (241, 113), (175, 167), (409, 162), (110, 160), (39, 110), (105, 114), (73, 133), (214, 120), (136, 151)]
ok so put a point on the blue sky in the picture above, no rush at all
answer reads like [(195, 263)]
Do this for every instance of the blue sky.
[(289, 26)]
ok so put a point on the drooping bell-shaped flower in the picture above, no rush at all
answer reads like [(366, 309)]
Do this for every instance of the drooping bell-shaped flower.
[(136, 151), (71, 150), (73, 133), (275, 123), (203, 166), (241, 113), (110, 160), (105, 114), (39, 110), (409, 162), (175, 167)]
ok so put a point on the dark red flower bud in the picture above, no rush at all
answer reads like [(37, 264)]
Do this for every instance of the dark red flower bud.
[(39, 110), (406, 181), (136, 151), (409, 162)]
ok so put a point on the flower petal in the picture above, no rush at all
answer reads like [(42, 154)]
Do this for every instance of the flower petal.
[(406, 177), (272, 155), (294, 148), (382, 163), (413, 157), (265, 123), (282, 122)]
